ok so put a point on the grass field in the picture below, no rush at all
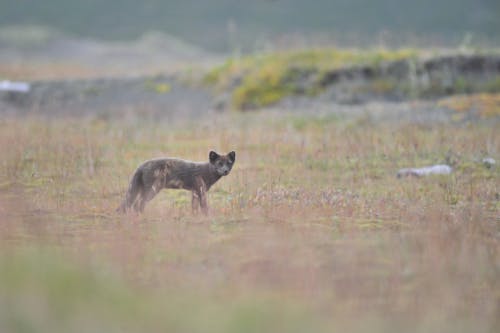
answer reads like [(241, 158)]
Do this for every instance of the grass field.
[(311, 232)]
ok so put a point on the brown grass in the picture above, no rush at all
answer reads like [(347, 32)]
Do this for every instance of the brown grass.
[(45, 71), (311, 231), (482, 105)]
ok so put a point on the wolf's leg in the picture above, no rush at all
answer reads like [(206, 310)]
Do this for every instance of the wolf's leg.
[(149, 195), (195, 201), (132, 194), (130, 199), (134, 190), (203, 202), (201, 192), (138, 202), (142, 205)]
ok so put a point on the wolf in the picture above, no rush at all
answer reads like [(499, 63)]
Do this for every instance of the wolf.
[(154, 175)]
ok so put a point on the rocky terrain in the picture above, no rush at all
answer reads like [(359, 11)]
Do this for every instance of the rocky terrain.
[(161, 95)]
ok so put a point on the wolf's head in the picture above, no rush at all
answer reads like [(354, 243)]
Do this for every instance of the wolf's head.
[(222, 163)]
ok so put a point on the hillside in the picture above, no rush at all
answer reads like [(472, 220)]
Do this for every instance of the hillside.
[(306, 80)]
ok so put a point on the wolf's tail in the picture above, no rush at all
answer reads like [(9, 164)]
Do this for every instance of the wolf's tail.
[(133, 190)]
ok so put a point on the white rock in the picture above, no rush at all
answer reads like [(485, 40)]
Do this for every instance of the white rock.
[(14, 86), (438, 169), (488, 162)]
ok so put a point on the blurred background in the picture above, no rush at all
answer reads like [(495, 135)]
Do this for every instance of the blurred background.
[(226, 25)]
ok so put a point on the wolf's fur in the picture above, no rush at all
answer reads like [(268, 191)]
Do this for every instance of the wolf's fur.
[(154, 175)]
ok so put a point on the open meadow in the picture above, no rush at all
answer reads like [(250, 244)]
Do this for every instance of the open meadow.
[(311, 232), (328, 222)]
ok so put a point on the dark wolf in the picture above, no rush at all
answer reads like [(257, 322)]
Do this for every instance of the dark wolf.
[(154, 175)]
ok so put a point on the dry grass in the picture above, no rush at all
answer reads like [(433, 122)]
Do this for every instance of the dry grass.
[(45, 71), (482, 105), (312, 231)]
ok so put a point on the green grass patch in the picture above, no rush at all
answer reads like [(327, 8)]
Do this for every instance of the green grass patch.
[(42, 291), (261, 80)]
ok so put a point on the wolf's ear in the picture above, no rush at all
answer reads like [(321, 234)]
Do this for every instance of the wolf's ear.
[(232, 156), (213, 156)]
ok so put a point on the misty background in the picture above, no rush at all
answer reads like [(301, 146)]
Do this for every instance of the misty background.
[(228, 25)]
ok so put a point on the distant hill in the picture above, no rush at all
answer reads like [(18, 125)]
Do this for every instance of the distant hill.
[(222, 25)]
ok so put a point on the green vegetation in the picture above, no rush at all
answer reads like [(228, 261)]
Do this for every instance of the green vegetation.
[(254, 82), (46, 292), (257, 81), (493, 86), (158, 87)]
